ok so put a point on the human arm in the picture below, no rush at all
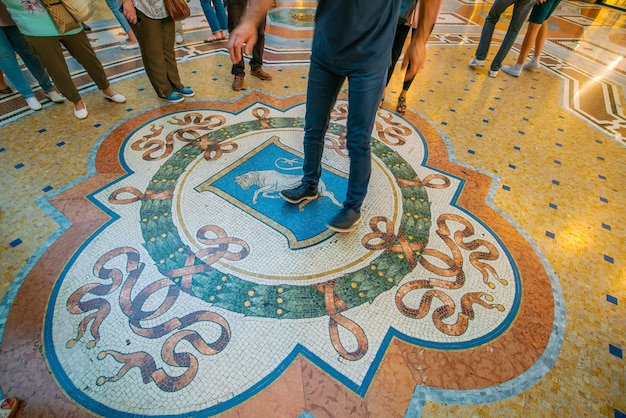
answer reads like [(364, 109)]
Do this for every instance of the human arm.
[(415, 54), (246, 31)]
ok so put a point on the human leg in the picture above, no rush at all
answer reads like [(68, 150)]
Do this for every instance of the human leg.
[(168, 29), (529, 39), (10, 66), (256, 62), (4, 89), (322, 89), (496, 10), (236, 9), (178, 32), (521, 9), (31, 60), (210, 15), (364, 89), (114, 6), (151, 39), (220, 12), (48, 49), (396, 49)]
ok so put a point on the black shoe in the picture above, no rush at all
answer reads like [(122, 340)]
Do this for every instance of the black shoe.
[(86, 27), (345, 221), (300, 193)]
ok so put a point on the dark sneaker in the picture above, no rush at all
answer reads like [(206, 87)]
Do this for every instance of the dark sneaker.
[(173, 97), (186, 91), (345, 221), (300, 193)]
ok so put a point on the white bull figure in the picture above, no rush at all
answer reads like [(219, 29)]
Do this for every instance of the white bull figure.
[(271, 182)]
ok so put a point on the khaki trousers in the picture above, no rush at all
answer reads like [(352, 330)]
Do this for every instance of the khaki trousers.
[(51, 55), (156, 40)]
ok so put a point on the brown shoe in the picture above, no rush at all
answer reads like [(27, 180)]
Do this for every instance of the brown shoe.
[(238, 82), (261, 74)]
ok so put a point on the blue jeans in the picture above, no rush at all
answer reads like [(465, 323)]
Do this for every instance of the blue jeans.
[(215, 14), (521, 9), (12, 41), (365, 89), (114, 5)]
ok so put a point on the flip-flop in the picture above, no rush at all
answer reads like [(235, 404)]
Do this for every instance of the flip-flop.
[(8, 407)]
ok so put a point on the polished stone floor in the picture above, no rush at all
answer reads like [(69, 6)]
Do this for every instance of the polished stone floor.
[(149, 268)]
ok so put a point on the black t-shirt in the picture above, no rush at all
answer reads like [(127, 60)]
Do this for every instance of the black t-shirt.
[(355, 34)]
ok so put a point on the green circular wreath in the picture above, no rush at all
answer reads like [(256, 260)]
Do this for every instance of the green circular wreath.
[(230, 292)]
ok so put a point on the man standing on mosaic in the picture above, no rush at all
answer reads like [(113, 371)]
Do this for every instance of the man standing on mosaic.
[(349, 40)]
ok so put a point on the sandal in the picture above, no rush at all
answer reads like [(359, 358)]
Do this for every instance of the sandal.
[(401, 108), (6, 91), (9, 407)]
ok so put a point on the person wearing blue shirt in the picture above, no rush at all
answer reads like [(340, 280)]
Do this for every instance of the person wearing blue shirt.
[(352, 40)]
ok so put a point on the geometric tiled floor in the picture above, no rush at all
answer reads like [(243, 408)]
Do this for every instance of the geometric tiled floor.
[(143, 272)]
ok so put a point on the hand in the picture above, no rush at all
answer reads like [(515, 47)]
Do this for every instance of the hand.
[(129, 12), (243, 36), (414, 58)]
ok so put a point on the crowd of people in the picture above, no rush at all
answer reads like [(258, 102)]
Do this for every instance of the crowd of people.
[(348, 40)]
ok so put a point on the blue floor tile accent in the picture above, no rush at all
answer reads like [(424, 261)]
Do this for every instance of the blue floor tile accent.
[(47, 189), (601, 177), (42, 130), (512, 166), (60, 144), (619, 414), (616, 351), (607, 227), (557, 162), (471, 151), (558, 144), (556, 182), (15, 243), (505, 187), (20, 165), (601, 158), (550, 234), (608, 259), (604, 199), (552, 206), (611, 299)]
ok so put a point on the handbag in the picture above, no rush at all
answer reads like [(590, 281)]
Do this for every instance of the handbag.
[(80, 9), (177, 9), (63, 19)]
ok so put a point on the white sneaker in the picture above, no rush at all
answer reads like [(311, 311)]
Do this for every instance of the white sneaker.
[(130, 45), (33, 103), (179, 38), (493, 74), (532, 64), (55, 97), (514, 70), (474, 62)]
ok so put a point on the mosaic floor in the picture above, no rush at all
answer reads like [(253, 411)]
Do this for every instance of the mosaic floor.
[(150, 269)]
